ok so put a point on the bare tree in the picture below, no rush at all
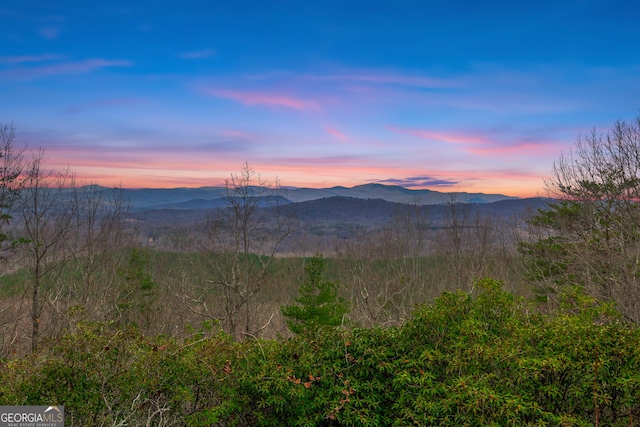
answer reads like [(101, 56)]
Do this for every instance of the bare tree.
[(243, 237), (47, 220), (11, 166), (386, 275), (456, 221), (467, 243), (588, 237), (101, 227)]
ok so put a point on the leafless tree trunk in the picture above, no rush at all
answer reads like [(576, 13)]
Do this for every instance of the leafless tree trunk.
[(100, 230), (453, 240), (383, 270), (11, 166), (47, 220), (468, 243), (243, 238)]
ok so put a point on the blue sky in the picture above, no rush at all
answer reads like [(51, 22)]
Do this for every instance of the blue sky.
[(451, 96)]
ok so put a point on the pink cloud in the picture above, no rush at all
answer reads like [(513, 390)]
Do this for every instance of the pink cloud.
[(499, 145), (324, 162), (259, 98), (541, 148), (240, 134), (453, 137), (339, 135)]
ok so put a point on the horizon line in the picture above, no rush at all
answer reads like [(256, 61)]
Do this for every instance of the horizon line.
[(291, 187)]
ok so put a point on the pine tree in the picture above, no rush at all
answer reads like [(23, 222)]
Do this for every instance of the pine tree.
[(317, 304)]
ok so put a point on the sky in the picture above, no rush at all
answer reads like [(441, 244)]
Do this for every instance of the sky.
[(477, 96)]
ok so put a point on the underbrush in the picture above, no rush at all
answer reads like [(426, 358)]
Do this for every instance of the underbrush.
[(483, 359)]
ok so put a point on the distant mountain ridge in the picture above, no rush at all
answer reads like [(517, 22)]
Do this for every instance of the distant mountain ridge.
[(393, 193), (209, 197), (342, 218)]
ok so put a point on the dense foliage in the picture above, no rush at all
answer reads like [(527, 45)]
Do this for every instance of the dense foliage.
[(479, 360)]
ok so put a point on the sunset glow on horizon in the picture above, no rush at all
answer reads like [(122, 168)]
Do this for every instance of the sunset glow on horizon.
[(448, 96)]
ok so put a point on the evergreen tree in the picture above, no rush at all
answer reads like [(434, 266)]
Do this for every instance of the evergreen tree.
[(317, 304), (589, 237)]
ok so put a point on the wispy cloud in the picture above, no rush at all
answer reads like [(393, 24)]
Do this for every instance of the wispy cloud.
[(238, 134), (387, 79), (262, 98), (25, 59), (354, 90), (452, 137), (198, 54), (85, 66), (319, 161), (543, 148), (105, 103), (369, 76), (336, 133), (498, 143), (68, 67)]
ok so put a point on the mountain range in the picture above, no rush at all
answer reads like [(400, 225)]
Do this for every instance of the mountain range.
[(324, 217), (210, 197)]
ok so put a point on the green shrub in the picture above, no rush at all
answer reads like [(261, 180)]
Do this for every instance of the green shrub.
[(488, 359), (104, 373)]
